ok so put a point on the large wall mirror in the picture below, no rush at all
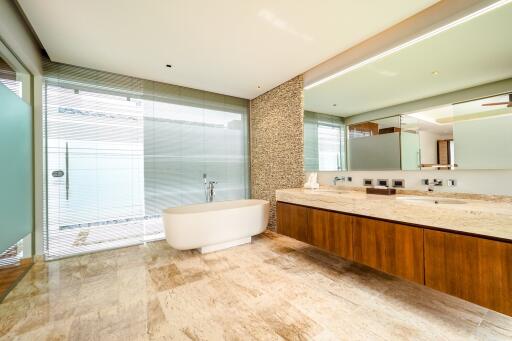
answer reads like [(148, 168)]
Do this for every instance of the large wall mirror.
[(470, 135), (442, 103)]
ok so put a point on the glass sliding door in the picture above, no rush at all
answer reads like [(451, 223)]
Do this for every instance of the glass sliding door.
[(117, 158), (95, 171)]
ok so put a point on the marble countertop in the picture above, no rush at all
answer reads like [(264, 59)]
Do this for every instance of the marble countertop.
[(480, 215)]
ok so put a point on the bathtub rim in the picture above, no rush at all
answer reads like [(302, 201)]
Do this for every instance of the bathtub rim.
[(181, 210)]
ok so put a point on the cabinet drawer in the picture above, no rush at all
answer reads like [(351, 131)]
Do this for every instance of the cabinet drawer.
[(393, 248), (292, 221), (331, 231), (475, 269)]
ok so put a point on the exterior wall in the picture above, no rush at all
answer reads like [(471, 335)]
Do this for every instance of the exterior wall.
[(277, 141)]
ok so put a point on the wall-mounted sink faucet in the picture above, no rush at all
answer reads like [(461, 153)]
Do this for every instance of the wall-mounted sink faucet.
[(337, 178), (432, 183)]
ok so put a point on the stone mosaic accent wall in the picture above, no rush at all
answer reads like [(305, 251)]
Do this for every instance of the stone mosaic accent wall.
[(277, 141)]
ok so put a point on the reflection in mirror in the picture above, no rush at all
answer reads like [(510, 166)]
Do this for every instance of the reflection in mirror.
[(374, 145), (469, 135), (324, 142), (482, 133), (427, 143), (419, 82)]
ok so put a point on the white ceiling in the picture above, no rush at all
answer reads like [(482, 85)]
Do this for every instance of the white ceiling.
[(225, 46), (476, 52)]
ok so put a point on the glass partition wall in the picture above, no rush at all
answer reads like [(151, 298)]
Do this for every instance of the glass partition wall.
[(16, 173), (120, 150)]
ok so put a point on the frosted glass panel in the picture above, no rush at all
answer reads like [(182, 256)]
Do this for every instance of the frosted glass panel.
[(16, 194), (377, 152), (484, 143), (410, 151)]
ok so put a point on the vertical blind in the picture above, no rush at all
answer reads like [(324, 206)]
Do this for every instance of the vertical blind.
[(324, 142), (120, 150)]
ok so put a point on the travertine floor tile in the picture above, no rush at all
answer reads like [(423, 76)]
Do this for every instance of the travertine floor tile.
[(273, 289)]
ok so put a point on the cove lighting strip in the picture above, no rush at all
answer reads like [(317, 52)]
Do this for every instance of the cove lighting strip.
[(428, 35)]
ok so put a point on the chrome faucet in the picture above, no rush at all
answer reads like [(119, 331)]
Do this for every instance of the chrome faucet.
[(209, 188), (336, 179), (210, 191), (432, 183)]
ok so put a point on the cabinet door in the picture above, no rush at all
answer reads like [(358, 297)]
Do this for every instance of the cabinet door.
[(331, 231), (292, 221), (475, 269), (392, 248)]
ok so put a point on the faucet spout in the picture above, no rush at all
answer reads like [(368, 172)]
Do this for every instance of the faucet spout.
[(336, 179), (432, 183), (210, 191)]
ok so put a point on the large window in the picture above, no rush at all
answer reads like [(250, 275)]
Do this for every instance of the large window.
[(324, 142), (120, 150)]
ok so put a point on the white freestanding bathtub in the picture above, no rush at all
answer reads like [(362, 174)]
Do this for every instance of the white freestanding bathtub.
[(215, 226)]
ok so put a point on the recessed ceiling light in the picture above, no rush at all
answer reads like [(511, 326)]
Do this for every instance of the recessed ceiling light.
[(259, 86), (435, 73), (334, 105), (168, 65)]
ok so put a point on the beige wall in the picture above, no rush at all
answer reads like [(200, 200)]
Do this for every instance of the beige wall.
[(277, 141), (18, 37)]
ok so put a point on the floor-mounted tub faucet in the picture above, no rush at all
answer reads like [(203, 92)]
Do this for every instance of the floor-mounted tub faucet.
[(209, 188), (210, 191)]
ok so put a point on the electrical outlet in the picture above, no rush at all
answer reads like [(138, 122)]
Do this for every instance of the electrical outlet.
[(398, 183)]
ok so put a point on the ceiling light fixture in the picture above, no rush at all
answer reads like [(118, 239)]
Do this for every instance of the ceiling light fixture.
[(168, 65), (425, 36), (435, 73)]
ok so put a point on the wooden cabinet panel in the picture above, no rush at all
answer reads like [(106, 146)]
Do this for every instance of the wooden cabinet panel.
[(475, 269), (331, 231), (392, 248), (292, 221)]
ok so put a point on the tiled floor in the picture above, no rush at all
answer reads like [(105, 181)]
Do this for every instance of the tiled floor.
[(275, 288)]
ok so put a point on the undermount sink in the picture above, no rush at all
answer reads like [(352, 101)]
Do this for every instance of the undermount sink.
[(435, 201), (330, 190)]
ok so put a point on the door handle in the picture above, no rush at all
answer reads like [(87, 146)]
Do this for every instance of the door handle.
[(58, 173)]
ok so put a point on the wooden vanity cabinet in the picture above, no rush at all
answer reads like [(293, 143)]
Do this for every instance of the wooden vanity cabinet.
[(392, 248), (475, 269), (331, 231), (292, 221), (326, 230)]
